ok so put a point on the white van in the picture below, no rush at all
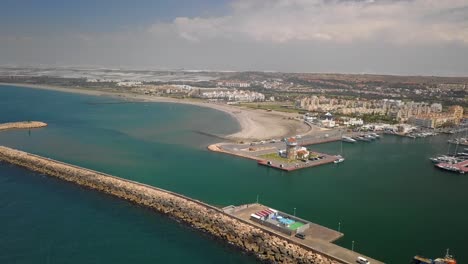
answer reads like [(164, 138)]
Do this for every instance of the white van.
[(362, 260)]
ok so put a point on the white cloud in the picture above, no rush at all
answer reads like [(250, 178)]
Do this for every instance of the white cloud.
[(380, 36), (280, 21)]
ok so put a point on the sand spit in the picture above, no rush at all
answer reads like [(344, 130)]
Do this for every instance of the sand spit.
[(264, 245), (22, 125)]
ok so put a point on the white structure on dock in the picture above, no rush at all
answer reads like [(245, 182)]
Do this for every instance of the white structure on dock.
[(291, 144)]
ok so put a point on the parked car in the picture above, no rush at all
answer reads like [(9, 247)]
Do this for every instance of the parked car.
[(300, 235), (362, 260)]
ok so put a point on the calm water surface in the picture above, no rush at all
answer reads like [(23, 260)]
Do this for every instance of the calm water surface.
[(387, 195)]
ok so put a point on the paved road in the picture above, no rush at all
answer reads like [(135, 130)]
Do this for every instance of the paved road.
[(270, 147)]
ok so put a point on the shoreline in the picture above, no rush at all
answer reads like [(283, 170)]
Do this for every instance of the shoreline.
[(254, 124)]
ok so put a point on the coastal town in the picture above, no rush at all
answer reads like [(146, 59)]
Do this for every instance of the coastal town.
[(282, 114)]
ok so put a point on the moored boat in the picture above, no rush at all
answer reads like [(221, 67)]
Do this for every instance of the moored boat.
[(362, 139), (445, 159), (448, 167), (348, 139), (339, 160), (448, 259)]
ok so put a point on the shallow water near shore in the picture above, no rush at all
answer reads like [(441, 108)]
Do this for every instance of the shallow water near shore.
[(387, 196)]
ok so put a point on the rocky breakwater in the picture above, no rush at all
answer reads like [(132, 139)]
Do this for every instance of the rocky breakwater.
[(22, 125), (265, 246)]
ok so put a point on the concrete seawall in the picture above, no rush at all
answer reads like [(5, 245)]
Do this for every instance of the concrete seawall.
[(22, 125), (264, 245)]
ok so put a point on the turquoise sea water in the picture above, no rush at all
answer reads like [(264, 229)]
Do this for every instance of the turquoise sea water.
[(387, 195)]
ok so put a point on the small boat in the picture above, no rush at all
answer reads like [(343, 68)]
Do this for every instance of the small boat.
[(348, 139), (375, 135), (445, 159), (339, 160), (448, 259), (363, 139), (448, 167)]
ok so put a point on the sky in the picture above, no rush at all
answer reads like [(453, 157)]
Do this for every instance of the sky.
[(406, 37)]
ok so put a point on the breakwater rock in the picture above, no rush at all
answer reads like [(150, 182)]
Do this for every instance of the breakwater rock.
[(265, 246), (22, 125)]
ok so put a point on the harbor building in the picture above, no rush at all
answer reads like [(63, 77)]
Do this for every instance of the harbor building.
[(291, 144), (279, 221)]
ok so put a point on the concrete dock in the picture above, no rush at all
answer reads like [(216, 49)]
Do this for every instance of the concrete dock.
[(259, 151), (318, 238), (291, 166)]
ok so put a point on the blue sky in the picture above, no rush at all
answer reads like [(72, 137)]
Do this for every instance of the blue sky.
[(46, 16), (424, 37)]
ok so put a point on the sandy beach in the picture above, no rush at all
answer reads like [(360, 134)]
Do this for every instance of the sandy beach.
[(22, 125), (255, 124)]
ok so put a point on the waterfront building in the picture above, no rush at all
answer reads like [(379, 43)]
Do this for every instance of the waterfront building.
[(433, 120), (457, 112), (422, 121), (291, 144), (353, 122), (302, 153), (404, 128), (396, 109)]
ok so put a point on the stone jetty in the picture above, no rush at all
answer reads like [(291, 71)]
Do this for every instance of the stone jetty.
[(266, 246), (22, 125)]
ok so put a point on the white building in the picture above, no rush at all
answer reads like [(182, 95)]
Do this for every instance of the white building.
[(128, 84), (354, 122), (236, 95), (328, 123), (436, 108)]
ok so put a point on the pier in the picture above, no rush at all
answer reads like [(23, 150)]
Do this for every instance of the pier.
[(265, 152), (317, 238)]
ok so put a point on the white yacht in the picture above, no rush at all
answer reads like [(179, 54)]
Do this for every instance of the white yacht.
[(339, 160), (348, 139)]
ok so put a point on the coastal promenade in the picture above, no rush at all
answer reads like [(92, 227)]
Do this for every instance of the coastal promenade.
[(263, 244), (22, 125)]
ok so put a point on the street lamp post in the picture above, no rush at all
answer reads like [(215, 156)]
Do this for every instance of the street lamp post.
[(339, 226), (352, 246), (294, 211), (257, 198)]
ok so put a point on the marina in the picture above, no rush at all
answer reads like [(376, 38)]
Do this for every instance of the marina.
[(295, 153)]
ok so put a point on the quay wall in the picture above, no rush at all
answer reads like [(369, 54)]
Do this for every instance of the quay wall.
[(22, 125), (265, 245)]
